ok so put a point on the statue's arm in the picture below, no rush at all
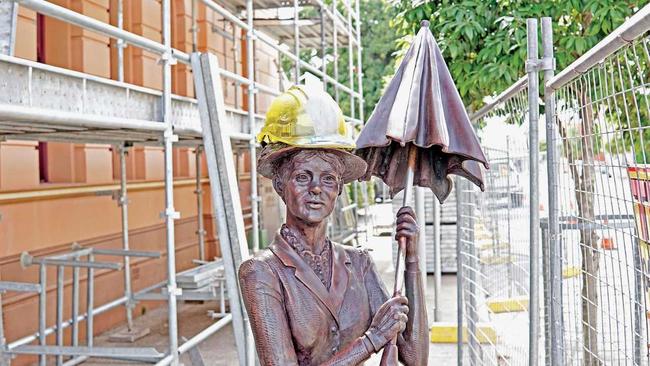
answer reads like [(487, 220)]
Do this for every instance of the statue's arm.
[(355, 353), (263, 297), (413, 343)]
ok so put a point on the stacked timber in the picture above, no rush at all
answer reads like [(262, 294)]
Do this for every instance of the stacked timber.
[(201, 276)]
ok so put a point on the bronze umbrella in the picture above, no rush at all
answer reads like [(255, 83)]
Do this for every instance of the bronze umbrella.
[(419, 133), (422, 109)]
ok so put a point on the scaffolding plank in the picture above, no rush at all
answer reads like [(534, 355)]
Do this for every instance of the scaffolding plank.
[(38, 96), (224, 189), (199, 273)]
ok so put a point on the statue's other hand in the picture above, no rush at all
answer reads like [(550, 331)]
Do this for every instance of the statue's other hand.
[(389, 321), (407, 227)]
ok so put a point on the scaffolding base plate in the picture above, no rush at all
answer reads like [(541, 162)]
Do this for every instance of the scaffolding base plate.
[(129, 336)]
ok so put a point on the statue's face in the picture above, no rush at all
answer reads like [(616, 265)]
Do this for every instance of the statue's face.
[(310, 189)]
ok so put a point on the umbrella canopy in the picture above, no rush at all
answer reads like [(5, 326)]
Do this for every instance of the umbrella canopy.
[(421, 109)]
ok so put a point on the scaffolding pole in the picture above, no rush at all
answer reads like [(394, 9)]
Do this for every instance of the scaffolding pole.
[(75, 304), (194, 29), (60, 273), (170, 213), (8, 23), (200, 231), (90, 303), (250, 59), (119, 42), (42, 310), (296, 37), (323, 46), (335, 49), (359, 67), (351, 65), (123, 202)]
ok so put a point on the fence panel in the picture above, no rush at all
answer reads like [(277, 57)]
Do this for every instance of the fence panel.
[(603, 188), (596, 249), (494, 241)]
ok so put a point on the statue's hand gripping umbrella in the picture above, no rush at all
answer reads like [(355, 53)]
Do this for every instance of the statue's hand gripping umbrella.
[(418, 134)]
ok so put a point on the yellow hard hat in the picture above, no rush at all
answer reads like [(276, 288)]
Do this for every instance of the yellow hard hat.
[(306, 117)]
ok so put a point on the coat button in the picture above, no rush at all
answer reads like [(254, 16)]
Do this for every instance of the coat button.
[(333, 328), (334, 349)]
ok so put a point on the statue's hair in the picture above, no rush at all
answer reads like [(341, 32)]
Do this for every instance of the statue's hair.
[(284, 167)]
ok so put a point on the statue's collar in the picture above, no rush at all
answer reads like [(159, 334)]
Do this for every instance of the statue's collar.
[(333, 298)]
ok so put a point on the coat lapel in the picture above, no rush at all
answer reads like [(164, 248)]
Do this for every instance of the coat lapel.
[(340, 276), (304, 273)]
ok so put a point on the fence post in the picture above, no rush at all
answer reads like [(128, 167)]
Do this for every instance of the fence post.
[(555, 265), (508, 237), (459, 269), (638, 301), (532, 66), (472, 320), (547, 292)]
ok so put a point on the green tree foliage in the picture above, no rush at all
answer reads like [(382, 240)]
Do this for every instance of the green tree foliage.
[(484, 41)]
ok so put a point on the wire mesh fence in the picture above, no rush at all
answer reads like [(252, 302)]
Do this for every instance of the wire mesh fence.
[(595, 231), (495, 251), (603, 136)]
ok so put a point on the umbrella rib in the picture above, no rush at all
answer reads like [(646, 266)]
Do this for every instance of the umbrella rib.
[(411, 77)]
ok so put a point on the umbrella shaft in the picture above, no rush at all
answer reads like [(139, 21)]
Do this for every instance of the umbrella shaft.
[(399, 271), (408, 193), (410, 172)]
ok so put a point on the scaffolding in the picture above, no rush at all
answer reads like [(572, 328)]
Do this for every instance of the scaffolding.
[(41, 102)]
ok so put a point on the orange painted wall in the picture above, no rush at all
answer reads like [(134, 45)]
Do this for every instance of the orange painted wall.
[(47, 226), (26, 30)]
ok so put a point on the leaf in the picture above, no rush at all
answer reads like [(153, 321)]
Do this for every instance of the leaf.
[(468, 33)]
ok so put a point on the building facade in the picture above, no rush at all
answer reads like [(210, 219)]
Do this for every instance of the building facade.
[(53, 194)]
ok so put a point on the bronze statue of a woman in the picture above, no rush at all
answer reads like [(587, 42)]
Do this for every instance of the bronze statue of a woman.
[(311, 301)]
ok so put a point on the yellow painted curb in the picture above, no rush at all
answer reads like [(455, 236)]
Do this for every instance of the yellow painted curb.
[(569, 272), (508, 305), (488, 244), (482, 235), (448, 333), (503, 259)]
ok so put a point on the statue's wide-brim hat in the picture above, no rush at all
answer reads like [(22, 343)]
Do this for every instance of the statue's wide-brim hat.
[(354, 166), (306, 117), (421, 109)]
